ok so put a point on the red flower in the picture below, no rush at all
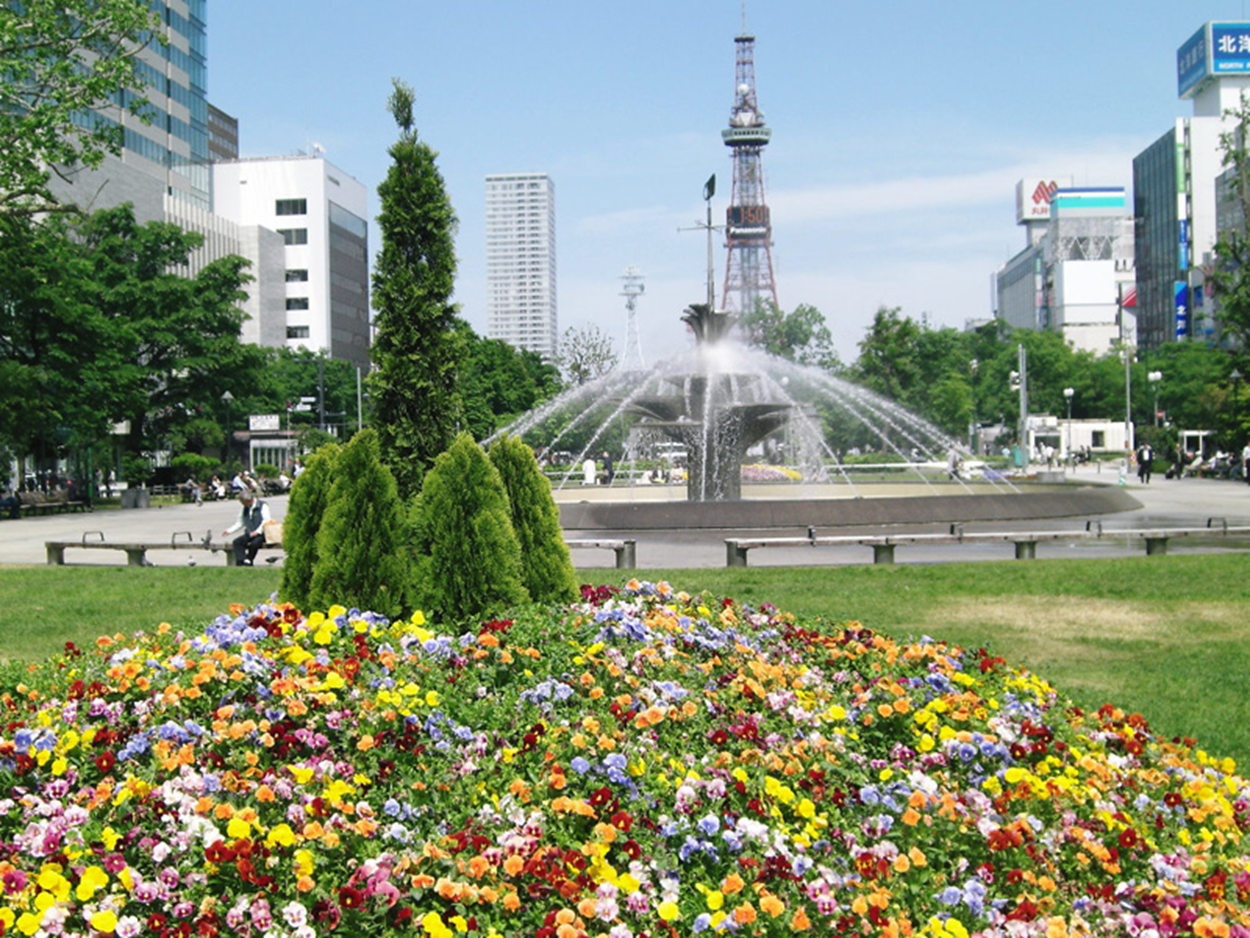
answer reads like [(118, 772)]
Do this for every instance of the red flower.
[(350, 898), (1128, 838), (105, 761)]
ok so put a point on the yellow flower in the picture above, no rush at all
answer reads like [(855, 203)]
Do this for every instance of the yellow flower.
[(92, 880), (105, 921), (282, 836), (668, 911)]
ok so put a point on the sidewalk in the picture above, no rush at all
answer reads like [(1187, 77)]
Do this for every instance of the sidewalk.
[(1164, 503), (22, 541)]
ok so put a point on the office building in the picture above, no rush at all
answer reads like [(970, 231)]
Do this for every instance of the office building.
[(1075, 274), (320, 213), (1175, 189), (521, 261)]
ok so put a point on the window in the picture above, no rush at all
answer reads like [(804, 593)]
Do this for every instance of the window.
[(297, 276), (297, 302), (297, 332), (294, 235), (291, 207)]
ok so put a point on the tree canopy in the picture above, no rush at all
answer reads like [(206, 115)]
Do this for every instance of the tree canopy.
[(60, 61)]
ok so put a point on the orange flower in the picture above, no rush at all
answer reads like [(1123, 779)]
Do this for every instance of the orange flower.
[(744, 914), (305, 884), (422, 881), (565, 917), (365, 743), (513, 865), (478, 867), (772, 905), (800, 921), (512, 902), (733, 883)]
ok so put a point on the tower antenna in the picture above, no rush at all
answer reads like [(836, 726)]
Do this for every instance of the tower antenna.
[(632, 289), (748, 227)]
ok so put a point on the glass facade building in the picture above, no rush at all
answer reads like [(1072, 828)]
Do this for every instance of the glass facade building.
[(1159, 174), (521, 261)]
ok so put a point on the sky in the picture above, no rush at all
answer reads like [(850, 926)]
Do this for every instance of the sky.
[(899, 130)]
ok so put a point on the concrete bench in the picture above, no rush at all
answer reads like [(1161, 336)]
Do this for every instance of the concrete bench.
[(626, 550), (1025, 542), (136, 551)]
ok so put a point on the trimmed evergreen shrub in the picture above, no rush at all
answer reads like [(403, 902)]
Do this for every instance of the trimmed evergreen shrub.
[(361, 560), (304, 512), (546, 568), (468, 561)]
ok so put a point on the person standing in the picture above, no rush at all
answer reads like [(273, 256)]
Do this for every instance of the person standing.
[(588, 471), (1144, 458), (1245, 463), (253, 513), (608, 471)]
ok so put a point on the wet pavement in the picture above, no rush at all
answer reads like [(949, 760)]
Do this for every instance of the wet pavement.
[(1164, 503)]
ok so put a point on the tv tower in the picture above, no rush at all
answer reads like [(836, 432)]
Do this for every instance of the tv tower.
[(632, 289), (748, 230)]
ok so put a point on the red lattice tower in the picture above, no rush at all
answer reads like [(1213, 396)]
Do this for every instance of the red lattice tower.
[(748, 230)]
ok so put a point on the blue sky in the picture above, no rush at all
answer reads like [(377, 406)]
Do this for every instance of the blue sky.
[(899, 129)]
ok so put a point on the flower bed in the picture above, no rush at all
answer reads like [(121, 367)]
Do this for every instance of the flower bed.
[(762, 473), (645, 763)]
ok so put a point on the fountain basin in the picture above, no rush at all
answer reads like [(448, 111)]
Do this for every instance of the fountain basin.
[(661, 507)]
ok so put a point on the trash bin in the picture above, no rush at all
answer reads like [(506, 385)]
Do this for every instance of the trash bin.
[(134, 498)]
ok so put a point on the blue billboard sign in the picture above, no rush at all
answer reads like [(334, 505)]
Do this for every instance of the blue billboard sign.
[(1216, 49), (1182, 309), (1182, 254)]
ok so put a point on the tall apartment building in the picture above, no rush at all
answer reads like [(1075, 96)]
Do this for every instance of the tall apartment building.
[(521, 261), (320, 213), (1175, 187)]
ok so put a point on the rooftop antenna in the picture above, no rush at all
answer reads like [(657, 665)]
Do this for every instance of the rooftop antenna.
[(633, 288)]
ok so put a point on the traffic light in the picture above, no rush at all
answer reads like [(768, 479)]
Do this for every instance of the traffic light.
[(1014, 379)]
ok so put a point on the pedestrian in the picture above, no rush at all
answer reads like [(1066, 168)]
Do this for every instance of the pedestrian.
[(609, 473), (588, 471), (1145, 456), (10, 507), (1245, 462), (253, 513)]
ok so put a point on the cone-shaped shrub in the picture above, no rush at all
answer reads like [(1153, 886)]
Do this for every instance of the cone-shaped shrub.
[(468, 560), (361, 560), (546, 568), (304, 511)]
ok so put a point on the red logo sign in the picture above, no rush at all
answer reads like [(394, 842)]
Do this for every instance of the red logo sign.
[(1044, 191)]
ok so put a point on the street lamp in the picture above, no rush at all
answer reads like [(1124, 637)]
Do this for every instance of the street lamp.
[(972, 428), (1067, 393), (226, 398), (1154, 378)]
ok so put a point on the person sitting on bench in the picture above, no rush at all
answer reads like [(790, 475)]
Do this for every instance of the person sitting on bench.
[(251, 521)]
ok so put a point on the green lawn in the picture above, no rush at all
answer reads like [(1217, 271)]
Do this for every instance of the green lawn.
[(1166, 636)]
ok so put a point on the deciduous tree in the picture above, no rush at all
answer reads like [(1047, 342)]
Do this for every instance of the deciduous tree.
[(60, 60)]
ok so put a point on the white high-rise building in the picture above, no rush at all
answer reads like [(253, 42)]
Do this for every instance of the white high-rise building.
[(521, 261), (320, 212)]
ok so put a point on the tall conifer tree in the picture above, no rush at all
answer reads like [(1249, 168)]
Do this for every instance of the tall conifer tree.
[(546, 568), (361, 560), (417, 352), (304, 512)]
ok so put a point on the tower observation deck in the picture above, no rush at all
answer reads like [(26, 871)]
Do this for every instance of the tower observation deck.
[(748, 229)]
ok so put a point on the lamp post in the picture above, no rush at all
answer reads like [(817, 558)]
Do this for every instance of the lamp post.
[(226, 398), (1154, 378), (972, 428), (1067, 394)]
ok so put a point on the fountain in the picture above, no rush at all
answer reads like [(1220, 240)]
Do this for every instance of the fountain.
[(722, 404)]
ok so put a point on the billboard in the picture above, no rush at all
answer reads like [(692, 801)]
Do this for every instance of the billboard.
[(1033, 197), (1216, 49), (1182, 309)]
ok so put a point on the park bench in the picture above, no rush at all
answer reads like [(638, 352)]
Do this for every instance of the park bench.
[(39, 503), (626, 550), (136, 551), (1025, 542)]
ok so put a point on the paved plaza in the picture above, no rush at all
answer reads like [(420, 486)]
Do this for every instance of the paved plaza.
[(1164, 503)]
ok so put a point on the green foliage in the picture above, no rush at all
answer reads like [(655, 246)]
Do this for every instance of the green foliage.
[(1232, 250), (546, 568), (468, 560), (59, 59), (416, 350), (800, 336), (304, 512), (97, 326), (193, 465), (360, 561), (499, 382), (136, 470)]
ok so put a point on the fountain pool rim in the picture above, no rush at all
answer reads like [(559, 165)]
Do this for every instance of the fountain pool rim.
[(660, 507)]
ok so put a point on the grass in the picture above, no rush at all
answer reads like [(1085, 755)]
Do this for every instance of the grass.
[(1166, 636)]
